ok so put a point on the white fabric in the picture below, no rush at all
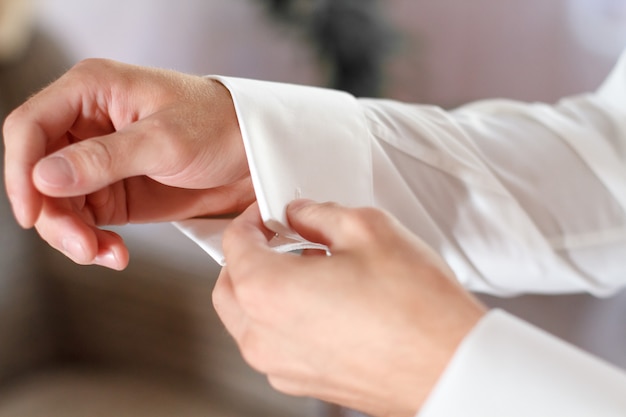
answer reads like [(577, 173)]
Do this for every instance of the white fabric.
[(517, 197), (324, 168), (509, 368), (208, 235)]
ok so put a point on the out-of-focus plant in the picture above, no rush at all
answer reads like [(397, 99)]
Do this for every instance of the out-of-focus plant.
[(352, 37)]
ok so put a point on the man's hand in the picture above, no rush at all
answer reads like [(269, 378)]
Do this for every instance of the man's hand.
[(109, 143), (370, 327)]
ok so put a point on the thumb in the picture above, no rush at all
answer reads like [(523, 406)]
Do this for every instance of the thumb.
[(330, 224), (89, 165)]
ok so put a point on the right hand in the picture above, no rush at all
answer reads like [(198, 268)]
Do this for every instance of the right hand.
[(371, 327), (109, 143)]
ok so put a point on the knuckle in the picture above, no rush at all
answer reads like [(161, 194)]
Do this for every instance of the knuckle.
[(95, 156), (366, 223), (89, 75), (10, 123), (256, 296), (218, 295), (90, 64), (254, 352), (16, 120), (286, 386), (84, 72), (166, 134), (262, 294)]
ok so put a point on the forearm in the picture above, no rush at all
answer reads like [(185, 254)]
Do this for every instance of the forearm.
[(517, 197)]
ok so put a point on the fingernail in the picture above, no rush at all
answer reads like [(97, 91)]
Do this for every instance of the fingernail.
[(55, 171), (74, 249), (107, 259)]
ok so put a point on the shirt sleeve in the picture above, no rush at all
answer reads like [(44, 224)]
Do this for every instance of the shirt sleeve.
[(517, 197), (506, 367)]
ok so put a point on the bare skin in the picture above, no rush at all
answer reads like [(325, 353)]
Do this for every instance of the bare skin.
[(109, 143), (371, 327)]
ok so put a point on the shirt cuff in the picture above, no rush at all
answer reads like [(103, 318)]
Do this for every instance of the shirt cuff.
[(299, 141), (507, 367)]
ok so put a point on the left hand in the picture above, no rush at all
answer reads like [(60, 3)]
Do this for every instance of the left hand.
[(370, 327), (111, 143)]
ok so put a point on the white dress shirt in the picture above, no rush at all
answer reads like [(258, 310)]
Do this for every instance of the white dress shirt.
[(517, 198)]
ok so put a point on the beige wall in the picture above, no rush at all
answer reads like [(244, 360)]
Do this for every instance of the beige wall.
[(452, 51), (466, 50)]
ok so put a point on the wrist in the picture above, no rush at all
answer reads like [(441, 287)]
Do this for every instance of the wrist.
[(452, 329)]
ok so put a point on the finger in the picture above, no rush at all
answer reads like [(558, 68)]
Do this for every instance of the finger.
[(330, 224), (26, 140), (147, 197), (32, 130), (92, 164), (24, 198), (111, 252), (66, 231), (261, 277), (264, 282), (226, 305), (246, 240)]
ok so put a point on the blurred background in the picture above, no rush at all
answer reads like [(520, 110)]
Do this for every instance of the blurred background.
[(85, 341)]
